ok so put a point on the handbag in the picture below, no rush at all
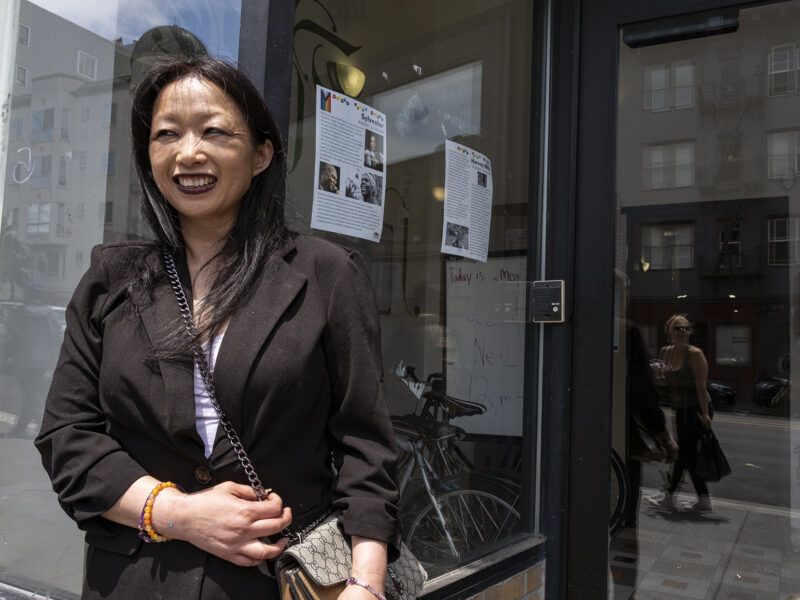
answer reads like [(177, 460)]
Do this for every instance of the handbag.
[(645, 446), (711, 462), (317, 561)]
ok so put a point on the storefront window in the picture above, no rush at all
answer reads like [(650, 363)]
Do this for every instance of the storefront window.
[(706, 277), (436, 81), (70, 185)]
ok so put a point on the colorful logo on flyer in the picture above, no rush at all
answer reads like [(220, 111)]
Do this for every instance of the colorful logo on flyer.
[(325, 101), (462, 150), (340, 99), (367, 110)]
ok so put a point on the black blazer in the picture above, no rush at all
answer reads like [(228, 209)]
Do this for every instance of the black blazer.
[(299, 373)]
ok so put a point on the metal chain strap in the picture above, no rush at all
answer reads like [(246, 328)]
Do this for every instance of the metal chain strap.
[(208, 380), (208, 377)]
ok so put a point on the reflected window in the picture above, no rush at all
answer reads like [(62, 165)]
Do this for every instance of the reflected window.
[(42, 172), (782, 151), (64, 123), (669, 86), (24, 36), (87, 65), (15, 129), (62, 170), (782, 79), (38, 217), (782, 248), (668, 245), (668, 166), (733, 345), (42, 124), (730, 245), (21, 76)]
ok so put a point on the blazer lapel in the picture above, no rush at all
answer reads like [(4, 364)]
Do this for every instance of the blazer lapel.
[(248, 331), (175, 409)]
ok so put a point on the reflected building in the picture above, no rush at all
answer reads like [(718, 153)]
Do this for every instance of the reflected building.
[(707, 192)]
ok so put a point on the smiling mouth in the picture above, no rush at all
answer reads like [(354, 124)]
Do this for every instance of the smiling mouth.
[(194, 184)]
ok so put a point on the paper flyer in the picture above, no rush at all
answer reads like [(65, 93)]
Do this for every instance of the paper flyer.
[(350, 167), (467, 202)]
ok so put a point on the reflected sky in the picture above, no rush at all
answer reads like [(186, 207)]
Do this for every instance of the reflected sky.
[(215, 22)]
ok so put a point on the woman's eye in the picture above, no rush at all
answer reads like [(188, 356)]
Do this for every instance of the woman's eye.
[(215, 131), (162, 133)]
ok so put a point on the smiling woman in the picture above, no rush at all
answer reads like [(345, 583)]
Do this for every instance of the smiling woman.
[(277, 316), (202, 154)]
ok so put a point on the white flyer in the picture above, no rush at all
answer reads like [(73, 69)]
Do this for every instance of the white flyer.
[(467, 202), (350, 167)]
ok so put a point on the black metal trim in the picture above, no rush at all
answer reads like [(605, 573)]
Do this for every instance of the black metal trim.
[(266, 40)]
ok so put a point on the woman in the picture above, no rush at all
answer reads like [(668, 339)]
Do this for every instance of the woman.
[(685, 370), (370, 190), (295, 351)]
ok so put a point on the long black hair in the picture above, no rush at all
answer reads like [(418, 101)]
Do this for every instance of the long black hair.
[(260, 230)]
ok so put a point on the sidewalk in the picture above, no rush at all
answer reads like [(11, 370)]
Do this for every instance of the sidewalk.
[(739, 552)]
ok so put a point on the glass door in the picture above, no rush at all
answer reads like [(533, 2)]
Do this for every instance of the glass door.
[(706, 304)]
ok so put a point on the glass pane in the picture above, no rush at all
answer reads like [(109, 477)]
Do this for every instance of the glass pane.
[(70, 185), (443, 79), (706, 282)]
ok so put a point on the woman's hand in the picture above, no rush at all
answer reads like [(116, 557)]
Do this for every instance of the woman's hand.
[(705, 420), (226, 521)]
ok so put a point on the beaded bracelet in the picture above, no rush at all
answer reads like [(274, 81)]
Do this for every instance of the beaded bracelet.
[(146, 531), (366, 586)]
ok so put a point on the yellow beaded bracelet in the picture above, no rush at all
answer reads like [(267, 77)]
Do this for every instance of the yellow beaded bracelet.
[(146, 531)]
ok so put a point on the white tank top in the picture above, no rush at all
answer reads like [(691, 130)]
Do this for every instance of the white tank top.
[(206, 419)]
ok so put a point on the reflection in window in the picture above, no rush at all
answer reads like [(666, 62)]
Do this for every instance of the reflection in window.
[(15, 129), (782, 247), (42, 124), (730, 245), (733, 345), (42, 172), (110, 114), (47, 262), (668, 166), (782, 152), (38, 217), (668, 245), (87, 65), (64, 123), (669, 86), (24, 36), (21, 76), (108, 162), (782, 70), (62, 170)]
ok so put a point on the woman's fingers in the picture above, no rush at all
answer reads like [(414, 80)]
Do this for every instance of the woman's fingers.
[(272, 525)]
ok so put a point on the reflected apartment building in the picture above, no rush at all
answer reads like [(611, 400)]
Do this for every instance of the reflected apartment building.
[(707, 197), (70, 182)]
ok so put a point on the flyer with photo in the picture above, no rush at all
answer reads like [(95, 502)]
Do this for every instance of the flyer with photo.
[(350, 167), (467, 202)]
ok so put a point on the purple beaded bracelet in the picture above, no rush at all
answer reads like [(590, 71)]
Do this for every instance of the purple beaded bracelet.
[(366, 586)]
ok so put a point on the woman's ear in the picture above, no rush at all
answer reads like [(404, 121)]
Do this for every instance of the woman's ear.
[(264, 154)]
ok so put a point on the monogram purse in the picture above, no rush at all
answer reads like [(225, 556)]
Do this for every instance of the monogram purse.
[(317, 561)]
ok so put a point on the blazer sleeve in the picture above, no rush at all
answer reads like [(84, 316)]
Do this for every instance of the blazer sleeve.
[(363, 441), (88, 468)]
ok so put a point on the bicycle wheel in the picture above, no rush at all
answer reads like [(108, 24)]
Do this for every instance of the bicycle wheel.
[(619, 492), (472, 518)]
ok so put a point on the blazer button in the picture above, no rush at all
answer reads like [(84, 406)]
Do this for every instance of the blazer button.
[(203, 475)]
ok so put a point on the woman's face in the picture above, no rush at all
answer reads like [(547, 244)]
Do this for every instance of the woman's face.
[(366, 187), (680, 329), (202, 154)]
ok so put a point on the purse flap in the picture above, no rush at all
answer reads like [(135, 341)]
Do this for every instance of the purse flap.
[(323, 553)]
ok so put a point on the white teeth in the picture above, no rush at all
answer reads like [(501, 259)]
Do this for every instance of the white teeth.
[(195, 181)]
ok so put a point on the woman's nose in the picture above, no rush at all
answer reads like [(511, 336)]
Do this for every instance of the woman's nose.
[(190, 150)]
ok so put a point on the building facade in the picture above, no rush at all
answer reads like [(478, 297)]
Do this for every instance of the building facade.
[(644, 160)]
